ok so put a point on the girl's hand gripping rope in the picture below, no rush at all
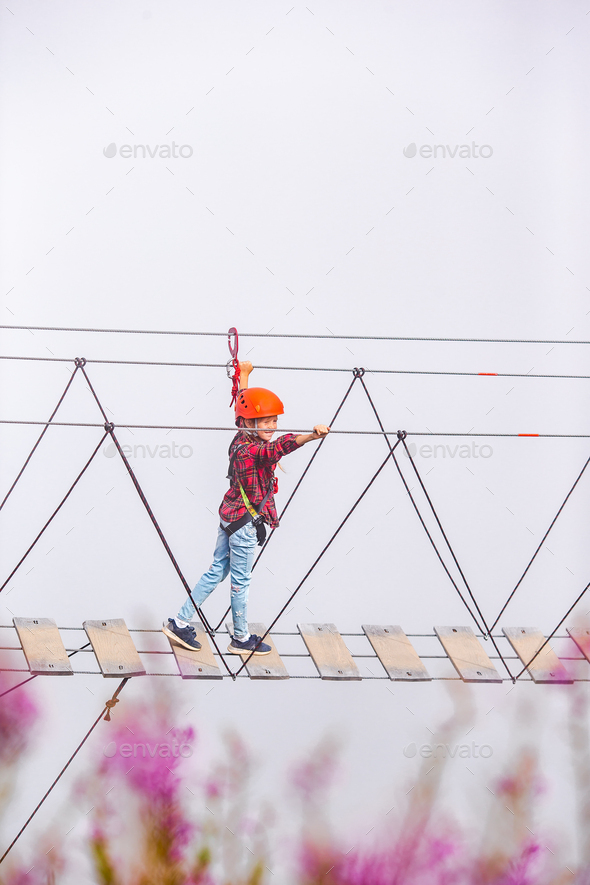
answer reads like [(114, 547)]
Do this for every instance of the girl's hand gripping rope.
[(320, 431)]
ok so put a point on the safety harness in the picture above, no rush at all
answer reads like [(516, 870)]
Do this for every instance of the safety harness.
[(253, 513)]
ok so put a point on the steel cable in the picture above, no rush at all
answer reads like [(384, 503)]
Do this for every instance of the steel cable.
[(441, 433), (544, 538), (24, 682), (169, 364), (56, 511), (279, 335), (42, 434), (550, 637)]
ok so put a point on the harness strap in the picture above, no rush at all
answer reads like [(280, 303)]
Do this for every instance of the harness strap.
[(232, 457), (236, 524), (253, 515)]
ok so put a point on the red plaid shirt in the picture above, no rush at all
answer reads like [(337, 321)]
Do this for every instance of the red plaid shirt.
[(254, 467)]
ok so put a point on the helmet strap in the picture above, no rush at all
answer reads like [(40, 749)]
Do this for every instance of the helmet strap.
[(251, 429)]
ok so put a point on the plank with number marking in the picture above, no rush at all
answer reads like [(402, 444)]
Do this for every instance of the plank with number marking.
[(546, 668), (329, 652), (199, 664), (467, 655), (396, 653), (114, 649), (43, 647)]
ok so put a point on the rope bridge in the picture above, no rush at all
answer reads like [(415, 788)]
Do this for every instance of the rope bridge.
[(115, 652), (336, 656), (438, 539)]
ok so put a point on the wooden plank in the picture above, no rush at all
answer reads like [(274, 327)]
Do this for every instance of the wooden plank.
[(262, 666), (396, 653), (196, 664), (581, 637), (43, 646), (328, 651), (546, 668), (467, 655), (114, 648)]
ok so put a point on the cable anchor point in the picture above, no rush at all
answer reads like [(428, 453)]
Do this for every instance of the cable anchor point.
[(358, 373), (80, 362), (109, 426), (401, 434)]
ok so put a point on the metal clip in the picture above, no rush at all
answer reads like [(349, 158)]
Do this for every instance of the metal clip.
[(233, 347)]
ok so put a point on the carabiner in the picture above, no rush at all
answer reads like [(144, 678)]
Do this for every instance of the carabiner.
[(233, 348)]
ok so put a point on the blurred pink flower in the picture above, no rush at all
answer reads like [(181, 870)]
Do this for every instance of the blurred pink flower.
[(17, 715), (314, 776)]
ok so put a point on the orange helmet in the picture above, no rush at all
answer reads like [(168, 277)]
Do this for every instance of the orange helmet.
[(257, 402)]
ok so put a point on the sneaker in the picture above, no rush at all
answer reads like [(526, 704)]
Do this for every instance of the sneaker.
[(254, 643), (185, 636)]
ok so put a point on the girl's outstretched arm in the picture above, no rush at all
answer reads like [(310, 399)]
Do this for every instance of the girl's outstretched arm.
[(319, 432), (245, 368)]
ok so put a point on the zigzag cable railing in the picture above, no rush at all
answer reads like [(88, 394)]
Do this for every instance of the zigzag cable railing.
[(108, 429)]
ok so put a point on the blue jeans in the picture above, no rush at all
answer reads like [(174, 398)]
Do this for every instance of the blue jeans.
[(233, 554)]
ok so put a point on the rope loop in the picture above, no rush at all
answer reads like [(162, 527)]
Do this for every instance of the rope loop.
[(109, 705), (109, 426), (80, 362), (358, 373), (401, 434)]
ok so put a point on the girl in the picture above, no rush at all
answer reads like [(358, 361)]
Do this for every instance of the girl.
[(246, 507)]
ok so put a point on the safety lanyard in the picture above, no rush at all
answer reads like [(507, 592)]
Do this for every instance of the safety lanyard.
[(250, 508)]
